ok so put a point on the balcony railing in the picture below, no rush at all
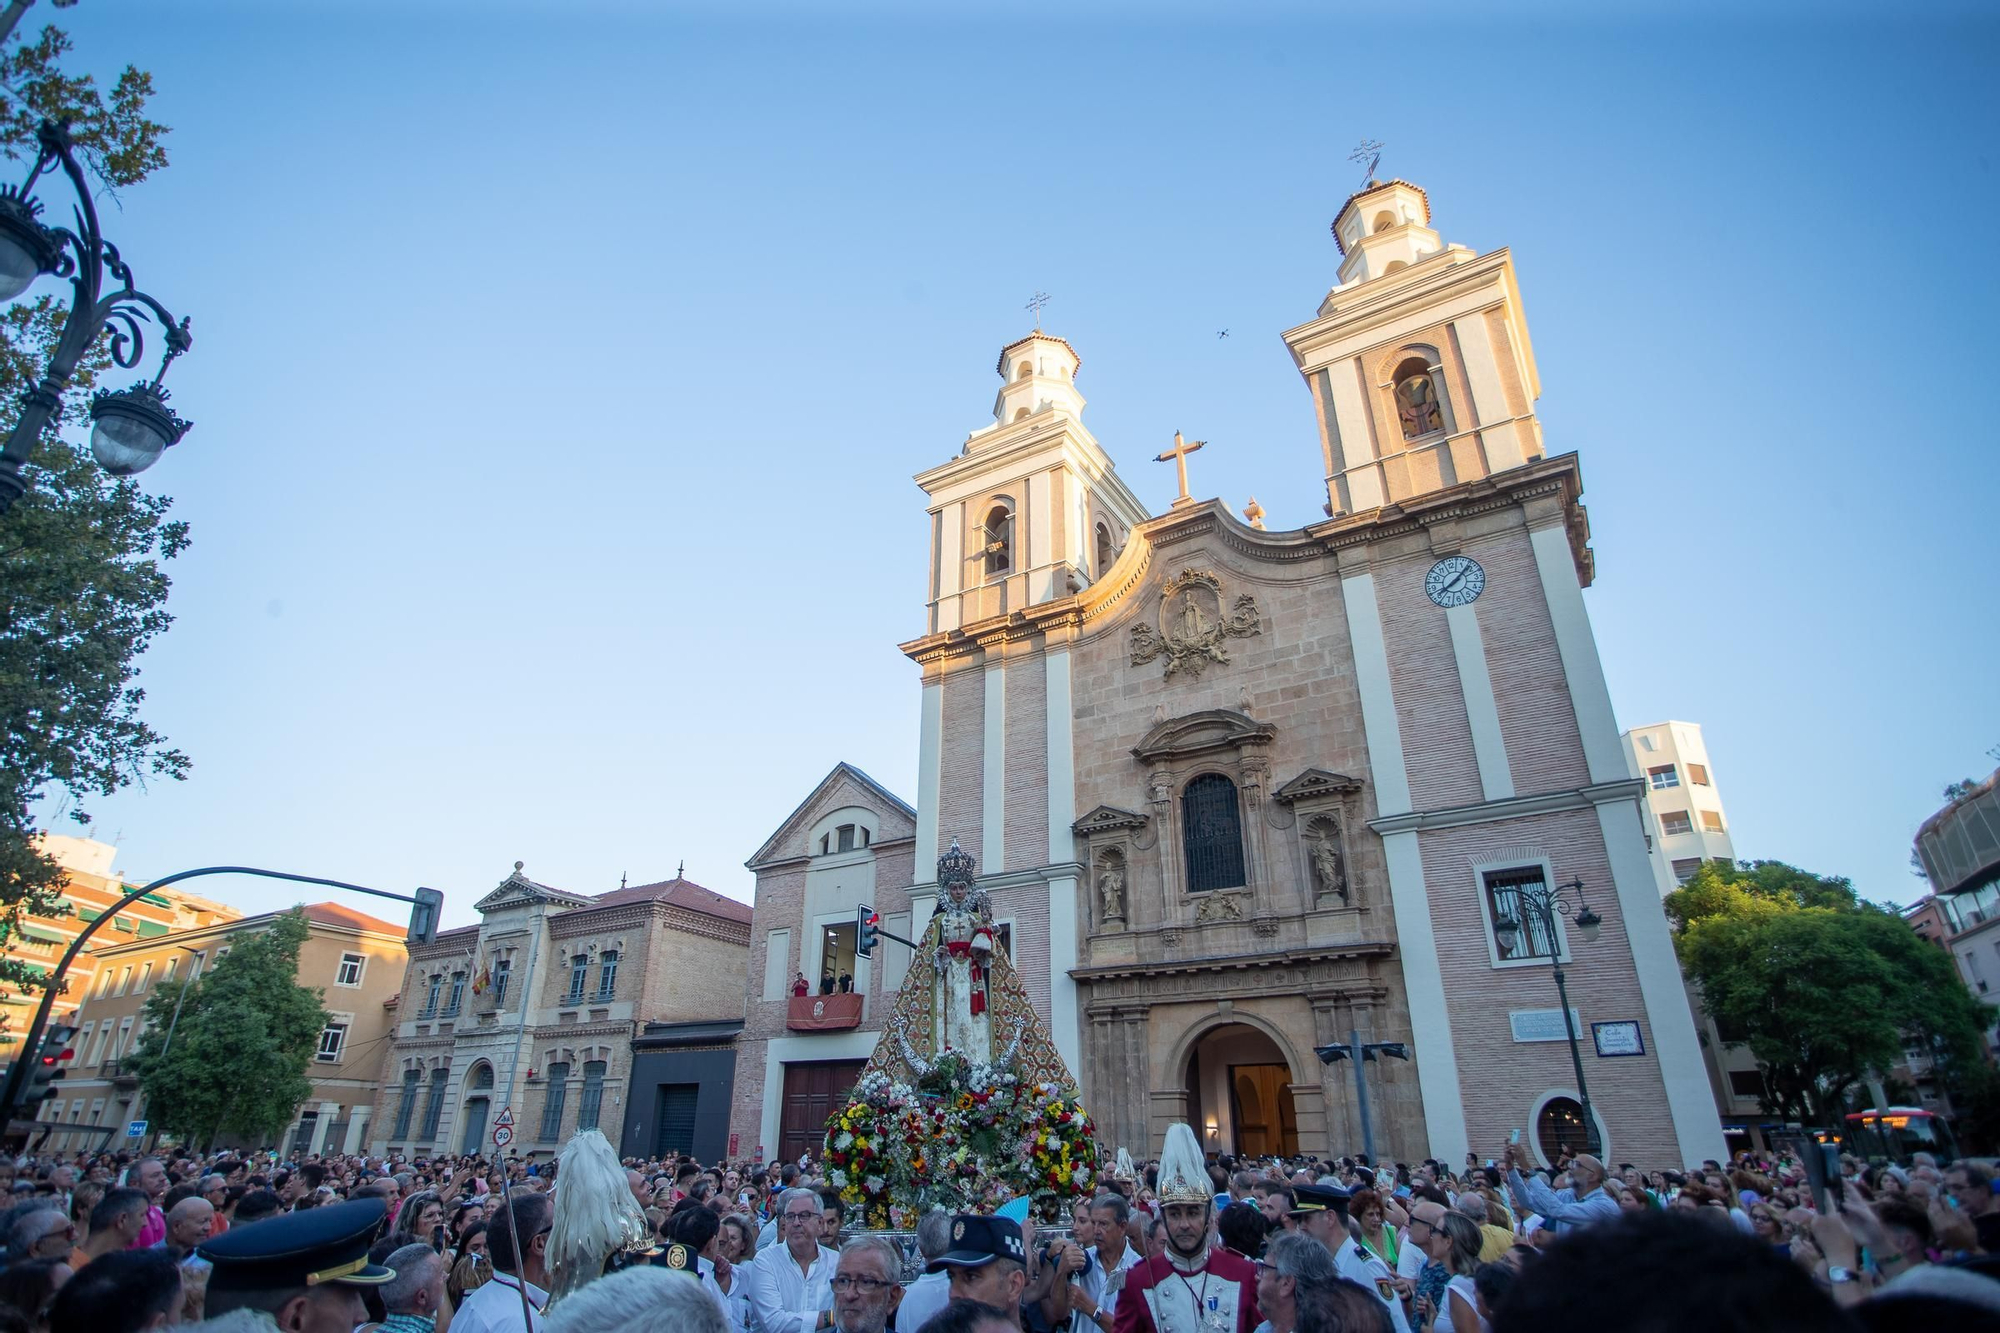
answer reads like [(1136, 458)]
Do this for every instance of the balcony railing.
[(824, 1013)]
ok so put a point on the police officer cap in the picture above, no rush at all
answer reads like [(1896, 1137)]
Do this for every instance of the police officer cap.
[(319, 1245), (977, 1241), (1318, 1199)]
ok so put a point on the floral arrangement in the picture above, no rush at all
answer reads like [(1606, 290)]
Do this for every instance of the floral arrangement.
[(964, 1134)]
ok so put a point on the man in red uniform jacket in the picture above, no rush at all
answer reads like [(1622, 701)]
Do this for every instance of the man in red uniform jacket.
[(1190, 1288)]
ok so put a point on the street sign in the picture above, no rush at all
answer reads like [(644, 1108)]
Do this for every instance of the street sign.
[(506, 1120), (732, 1145), (502, 1135), (136, 1130)]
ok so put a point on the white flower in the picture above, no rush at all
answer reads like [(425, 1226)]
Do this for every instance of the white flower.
[(836, 1178), (845, 1141)]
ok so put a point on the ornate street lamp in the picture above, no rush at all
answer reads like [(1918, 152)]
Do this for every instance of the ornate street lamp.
[(132, 427), (1542, 905)]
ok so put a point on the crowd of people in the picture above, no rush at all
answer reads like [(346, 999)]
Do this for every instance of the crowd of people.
[(119, 1243)]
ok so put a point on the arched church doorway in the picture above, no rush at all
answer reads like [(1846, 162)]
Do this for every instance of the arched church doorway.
[(1239, 1093)]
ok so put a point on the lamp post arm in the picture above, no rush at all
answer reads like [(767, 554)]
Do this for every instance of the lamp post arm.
[(11, 1090), (40, 404)]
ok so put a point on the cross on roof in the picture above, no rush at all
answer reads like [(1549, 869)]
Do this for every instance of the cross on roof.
[(1035, 304), (1180, 451), (1369, 154)]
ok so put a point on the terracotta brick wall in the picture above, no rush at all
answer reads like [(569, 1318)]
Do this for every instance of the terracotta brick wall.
[(1530, 692), (961, 781), (1430, 705), (1027, 785)]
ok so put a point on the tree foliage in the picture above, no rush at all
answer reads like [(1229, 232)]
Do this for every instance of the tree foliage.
[(82, 591), (246, 1034), (1824, 987)]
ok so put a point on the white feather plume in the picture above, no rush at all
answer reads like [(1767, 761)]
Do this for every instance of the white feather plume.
[(595, 1214)]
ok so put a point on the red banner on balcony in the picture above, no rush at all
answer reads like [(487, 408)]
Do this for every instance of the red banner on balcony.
[(824, 1013)]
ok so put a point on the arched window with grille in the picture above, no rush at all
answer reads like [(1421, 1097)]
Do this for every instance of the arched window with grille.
[(1212, 834)]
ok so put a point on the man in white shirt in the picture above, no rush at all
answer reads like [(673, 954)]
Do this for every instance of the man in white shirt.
[(699, 1230), (931, 1292), (496, 1306), (1094, 1295), (791, 1285)]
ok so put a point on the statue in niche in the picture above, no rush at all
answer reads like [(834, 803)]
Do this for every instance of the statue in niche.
[(1417, 405), (1111, 891), (1327, 869)]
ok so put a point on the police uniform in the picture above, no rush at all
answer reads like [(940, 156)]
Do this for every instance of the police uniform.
[(1351, 1259), (298, 1251)]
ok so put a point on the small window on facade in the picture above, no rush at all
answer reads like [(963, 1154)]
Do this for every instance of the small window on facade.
[(124, 980), (503, 971), (1663, 777), (1384, 220), (1711, 821), (864, 836), (1212, 830), (1673, 823), (145, 978), (457, 996), (431, 996), (592, 1105), (998, 541), (1530, 936), (607, 974), (173, 966), (331, 1039), (1022, 370), (1419, 401), (1698, 774), (846, 835), (836, 959), (1559, 1128), (350, 970), (552, 1104), (406, 1104), (825, 843), (1684, 869), (1746, 1083), (1103, 549), (579, 975), (433, 1105)]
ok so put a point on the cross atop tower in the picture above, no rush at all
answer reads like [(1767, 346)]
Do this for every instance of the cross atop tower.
[(1034, 307), (1369, 154), (1180, 451)]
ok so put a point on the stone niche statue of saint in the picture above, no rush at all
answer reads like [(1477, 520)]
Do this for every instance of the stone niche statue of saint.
[(961, 1018), (1326, 866), (1111, 890)]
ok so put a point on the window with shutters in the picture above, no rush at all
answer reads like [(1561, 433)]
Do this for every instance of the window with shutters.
[(1685, 867), (593, 1095), (1673, 823), (1212, 833), (434, 1105), (607, 974), (1711, 821), (406, 1105), (1663, 777), (579, 975), (552, 1105), (1698, 774)]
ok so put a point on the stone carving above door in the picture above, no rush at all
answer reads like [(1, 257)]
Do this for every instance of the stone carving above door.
[(1193, 625)]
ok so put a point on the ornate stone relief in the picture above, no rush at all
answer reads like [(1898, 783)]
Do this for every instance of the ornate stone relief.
[(1193, 625), (1218, 907)]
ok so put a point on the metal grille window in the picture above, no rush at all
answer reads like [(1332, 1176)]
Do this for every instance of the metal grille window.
[(407, 1105), (593, 1095), (1503, 902), (552, 1105), (1212, 831), (579, 972), (434, 1105), (607, 973)]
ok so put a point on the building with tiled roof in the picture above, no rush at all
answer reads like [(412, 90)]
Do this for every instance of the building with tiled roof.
[(536, 1009), (353, 959)]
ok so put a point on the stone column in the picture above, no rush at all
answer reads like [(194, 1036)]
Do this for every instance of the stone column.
[(1256, 775), (1330, 1025)]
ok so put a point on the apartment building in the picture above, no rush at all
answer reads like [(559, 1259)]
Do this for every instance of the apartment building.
[(356, 961), (1683, 805)]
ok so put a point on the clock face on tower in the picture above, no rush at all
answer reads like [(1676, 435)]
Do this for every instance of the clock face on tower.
[(1456, 580)]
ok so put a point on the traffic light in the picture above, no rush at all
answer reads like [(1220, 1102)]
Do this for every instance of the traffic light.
[(424, 916), (867, 923), (46, 1067)]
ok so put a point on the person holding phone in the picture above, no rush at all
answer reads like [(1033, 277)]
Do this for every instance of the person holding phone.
[(1580, 1204)]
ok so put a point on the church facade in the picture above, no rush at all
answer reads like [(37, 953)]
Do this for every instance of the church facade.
[(1238, 794)]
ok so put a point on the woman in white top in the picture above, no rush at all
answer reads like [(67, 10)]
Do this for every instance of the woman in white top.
[(1455, 1244)]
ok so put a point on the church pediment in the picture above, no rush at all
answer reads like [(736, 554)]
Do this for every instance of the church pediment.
[(1105, 818), (1206, 732), (1316, 782)]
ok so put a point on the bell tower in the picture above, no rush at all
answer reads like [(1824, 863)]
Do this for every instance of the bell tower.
[(1419, 363), (1031, 509)]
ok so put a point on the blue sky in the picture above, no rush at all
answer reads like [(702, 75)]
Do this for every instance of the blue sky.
[(560, 374)]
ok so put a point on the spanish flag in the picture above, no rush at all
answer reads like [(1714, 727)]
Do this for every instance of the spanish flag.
[(482, 981)]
